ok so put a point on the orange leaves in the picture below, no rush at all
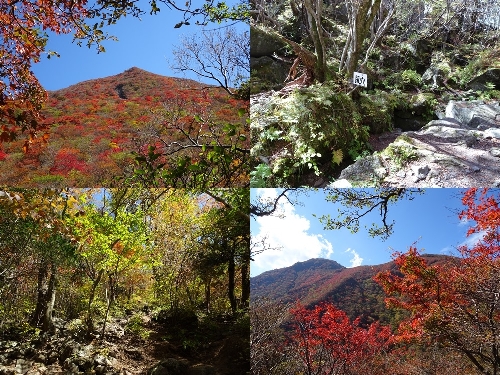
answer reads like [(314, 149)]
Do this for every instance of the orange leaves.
[(482, 208)]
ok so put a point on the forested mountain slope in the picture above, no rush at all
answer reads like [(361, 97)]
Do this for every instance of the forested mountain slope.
[(95, 126), (352, 290)]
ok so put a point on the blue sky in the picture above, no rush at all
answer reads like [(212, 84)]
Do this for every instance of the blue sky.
[(145, 44), (430, 221)]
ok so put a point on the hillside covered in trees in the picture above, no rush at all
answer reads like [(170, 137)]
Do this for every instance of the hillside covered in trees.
[(135, 126), (310, 121), (124, 281)]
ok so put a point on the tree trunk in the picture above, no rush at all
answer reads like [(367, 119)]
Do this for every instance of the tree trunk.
[(48, 322), (111, 297), (46, 297), (361, 17), (314, 13), (245, 284), (208, 281), (231, 268), (89, 320), (42, 289)]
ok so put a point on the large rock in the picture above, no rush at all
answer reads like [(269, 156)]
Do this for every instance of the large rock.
[(264, 44), (170, 366), (480, 82), (416, 113), (267, 73), (444, 153), (475, 113), (366, 171)]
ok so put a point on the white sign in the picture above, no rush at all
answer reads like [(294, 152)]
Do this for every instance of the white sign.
[(360, 79)]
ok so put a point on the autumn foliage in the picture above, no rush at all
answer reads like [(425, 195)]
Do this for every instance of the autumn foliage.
[(457, 304), (328, 342), (96, 126)]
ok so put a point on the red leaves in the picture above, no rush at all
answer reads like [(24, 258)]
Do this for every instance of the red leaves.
[(68, 160), (454, 304), (327, 340)]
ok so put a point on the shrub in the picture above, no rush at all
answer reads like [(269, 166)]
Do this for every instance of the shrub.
[(299, 132)]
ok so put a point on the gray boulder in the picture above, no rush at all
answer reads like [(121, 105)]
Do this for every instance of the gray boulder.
[(264, 44), (489, 76), (366, 171), (475, 113)]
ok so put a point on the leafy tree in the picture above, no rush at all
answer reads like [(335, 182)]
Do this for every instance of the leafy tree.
[(178, 220), (208, 151), (110, 245), (227, 241), (34, 235), (455, 304), (327, 342)]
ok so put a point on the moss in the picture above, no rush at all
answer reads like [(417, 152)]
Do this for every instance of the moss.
[(400, 152), (300, 132), (377, 111)]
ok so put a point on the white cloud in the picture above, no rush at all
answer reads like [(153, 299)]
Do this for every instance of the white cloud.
[(290, 234), (473, 239), (463, 221), (356, 259)]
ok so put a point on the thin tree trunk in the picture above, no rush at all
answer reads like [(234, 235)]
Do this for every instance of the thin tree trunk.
[(110, 299), (208, 281), (90, 323), (231, 269), (245, 284), (42, 289), (48, 322)]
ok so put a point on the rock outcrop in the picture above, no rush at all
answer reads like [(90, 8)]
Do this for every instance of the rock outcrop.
[(459, 150)]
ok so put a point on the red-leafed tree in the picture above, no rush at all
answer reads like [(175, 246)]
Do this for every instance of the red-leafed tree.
[(456, 304), (328, 342)]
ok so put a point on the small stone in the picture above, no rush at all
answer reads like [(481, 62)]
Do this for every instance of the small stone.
[(421, 173)]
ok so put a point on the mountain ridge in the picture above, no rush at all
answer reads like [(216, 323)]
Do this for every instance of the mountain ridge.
[(350, 289)]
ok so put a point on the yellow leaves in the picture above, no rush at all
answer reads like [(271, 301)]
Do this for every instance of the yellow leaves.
[(337, 157)]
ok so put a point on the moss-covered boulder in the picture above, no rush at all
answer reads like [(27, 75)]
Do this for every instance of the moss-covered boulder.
[(414, 112), (267, 74), (264, 44)]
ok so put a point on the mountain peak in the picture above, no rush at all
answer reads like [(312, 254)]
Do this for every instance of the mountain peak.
[(317, 263)]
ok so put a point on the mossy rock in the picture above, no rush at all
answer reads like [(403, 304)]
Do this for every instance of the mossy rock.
[(263, 43), (267, 74), (377, 111), (415, 112)]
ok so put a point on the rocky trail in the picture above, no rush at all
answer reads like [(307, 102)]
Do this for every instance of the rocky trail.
[(215, 348), (460, 149)]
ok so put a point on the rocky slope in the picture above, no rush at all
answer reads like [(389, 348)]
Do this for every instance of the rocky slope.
[(168, 349), (460, 149)]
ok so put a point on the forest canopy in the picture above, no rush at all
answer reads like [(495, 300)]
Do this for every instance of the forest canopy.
[(94, 253)]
